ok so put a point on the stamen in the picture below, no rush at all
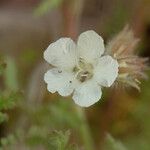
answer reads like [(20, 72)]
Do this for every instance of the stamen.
[(83, 71)]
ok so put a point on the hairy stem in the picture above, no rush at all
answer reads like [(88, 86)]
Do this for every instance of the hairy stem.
[(85, 130)]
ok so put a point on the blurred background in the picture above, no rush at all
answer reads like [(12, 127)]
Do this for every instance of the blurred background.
[(31, 118)]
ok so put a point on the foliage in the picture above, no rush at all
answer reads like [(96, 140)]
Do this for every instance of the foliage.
[(8, 99), (10, 74), (56, 140)]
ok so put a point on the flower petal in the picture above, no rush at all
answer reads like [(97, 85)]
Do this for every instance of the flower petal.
[(60, 81), (87, 93), (106, 71), (90, 45), (62, 53)]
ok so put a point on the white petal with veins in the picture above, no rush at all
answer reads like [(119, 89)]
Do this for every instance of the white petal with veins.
[(106, 71), (62, 53), (90, 45), (60, 81), (87, 93)]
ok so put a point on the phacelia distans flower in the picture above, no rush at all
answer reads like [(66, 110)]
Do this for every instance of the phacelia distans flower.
[(80, 68), (131, 66)]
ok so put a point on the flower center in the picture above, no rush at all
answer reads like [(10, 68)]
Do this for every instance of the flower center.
[(84, 71)]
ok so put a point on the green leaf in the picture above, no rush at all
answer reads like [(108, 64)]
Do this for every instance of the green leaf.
[(59, 139), (10, 74), (8, 101), (56, 140)]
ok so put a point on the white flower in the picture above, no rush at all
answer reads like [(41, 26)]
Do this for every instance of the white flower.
[(80, 68)]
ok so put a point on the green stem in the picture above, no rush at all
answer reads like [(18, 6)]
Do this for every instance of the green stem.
[(85, 130)]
